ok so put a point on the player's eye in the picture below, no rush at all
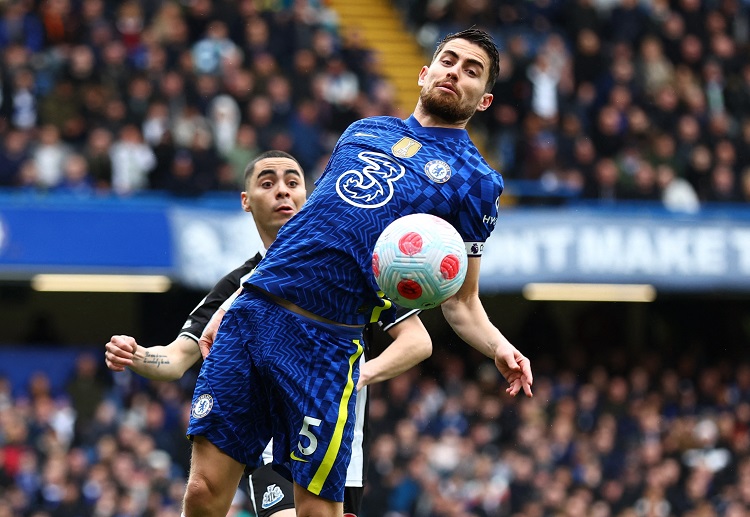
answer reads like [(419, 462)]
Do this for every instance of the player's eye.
[(267, 184), (293, 184), (471, 72)]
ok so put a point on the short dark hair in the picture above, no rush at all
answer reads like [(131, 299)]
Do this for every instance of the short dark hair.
[(267, 154), (484, 40)]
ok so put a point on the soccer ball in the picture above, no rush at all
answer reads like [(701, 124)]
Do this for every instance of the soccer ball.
[(419, 261)]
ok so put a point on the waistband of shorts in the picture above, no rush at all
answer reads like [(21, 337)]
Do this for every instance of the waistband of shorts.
[(332, 326)]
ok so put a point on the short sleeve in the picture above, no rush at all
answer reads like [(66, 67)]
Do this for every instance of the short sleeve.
[(478, 212)]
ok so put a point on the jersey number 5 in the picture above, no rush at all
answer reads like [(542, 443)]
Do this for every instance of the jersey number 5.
[(305, 431)]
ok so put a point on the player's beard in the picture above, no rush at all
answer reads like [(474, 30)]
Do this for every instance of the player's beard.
[(443, 106)]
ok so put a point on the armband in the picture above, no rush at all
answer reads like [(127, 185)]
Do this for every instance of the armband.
[(474, 249)]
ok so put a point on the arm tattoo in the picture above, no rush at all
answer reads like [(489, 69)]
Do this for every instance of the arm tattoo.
[(155, 359)]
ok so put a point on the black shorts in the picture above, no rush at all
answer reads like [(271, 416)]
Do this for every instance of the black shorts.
[(270, 492), (352, 500)]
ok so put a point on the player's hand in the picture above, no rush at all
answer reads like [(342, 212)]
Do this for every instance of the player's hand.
[(119, 352), (516, 368), (209, 333), (364, 375)]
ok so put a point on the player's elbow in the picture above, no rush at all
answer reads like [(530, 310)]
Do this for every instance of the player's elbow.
[(423, 347), (173, 375), (455, 306), (163, 375)]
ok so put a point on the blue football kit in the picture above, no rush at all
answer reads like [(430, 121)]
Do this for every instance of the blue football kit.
[(275, 373)]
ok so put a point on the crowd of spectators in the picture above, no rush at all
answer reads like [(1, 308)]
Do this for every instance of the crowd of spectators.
[(101, 97), (628, 438), (608, 100), (612, 100)]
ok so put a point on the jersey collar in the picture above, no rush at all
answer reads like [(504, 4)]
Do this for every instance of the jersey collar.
[(447, 132)]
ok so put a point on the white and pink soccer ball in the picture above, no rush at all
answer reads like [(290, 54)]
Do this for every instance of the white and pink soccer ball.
[(419, 261)]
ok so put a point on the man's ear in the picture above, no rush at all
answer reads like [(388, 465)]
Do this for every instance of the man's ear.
[(422, 75), (485, 102), (246, 202)]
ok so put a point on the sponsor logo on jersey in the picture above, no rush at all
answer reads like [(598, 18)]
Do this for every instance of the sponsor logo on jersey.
[(438, 171), (294, 457), (202, 405), (406, 147), (272, 496), (372, 186)]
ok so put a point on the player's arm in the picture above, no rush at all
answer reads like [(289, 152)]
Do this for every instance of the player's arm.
[(411, 345), (466, 315), (170, 362), (162, 363)]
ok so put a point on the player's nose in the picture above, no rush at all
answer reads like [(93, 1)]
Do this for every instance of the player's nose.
[(282, 190), (452, 72)]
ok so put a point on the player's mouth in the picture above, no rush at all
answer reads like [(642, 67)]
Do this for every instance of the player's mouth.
[(448, 86), (285, 209)]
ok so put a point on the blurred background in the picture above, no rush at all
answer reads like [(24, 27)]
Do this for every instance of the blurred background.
[(620, 264)]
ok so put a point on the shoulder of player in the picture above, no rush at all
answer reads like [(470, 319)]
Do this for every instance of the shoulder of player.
[(477, 167), (234, 276), (373, 124), (251, 262)]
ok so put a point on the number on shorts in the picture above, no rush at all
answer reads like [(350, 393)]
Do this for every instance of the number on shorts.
[(305, 431)]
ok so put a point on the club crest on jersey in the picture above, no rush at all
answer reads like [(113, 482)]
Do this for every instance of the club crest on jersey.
[(372, 186), (405, 148), (438, 171), (202, 405), (272, 496)]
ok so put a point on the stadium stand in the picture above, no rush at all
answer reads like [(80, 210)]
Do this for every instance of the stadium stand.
[(603, 101)]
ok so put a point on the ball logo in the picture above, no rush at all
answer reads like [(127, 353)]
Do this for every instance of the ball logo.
[(409, 289), (202, 406), (372, 186), (438, 171), (450, 266), (410, 244)]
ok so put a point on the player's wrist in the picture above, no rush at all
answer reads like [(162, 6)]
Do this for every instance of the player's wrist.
[(139, 354)]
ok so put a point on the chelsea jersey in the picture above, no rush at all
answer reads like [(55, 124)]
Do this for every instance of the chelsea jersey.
[(382, 168)]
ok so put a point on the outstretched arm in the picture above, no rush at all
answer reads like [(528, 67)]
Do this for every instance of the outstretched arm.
[(162, 363), (411, 345), (466, 315)]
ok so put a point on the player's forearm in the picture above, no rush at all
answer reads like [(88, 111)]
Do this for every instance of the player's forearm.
[(470, 322), (162, 363), (395, 360)]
